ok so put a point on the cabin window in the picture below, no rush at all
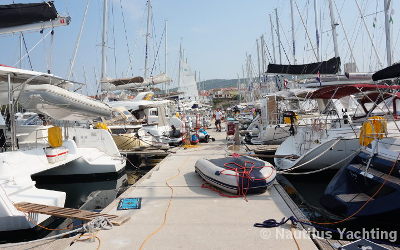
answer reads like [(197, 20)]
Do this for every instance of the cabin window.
[(154, 112)]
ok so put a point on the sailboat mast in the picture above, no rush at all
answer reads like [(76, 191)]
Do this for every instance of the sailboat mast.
[(278, 35), (293, 40), (166, 53), (104, 41), (258, 61), (272, 37), (146, 57), (238, 87), (262, 57), (333, 26), (387, 6), (180, 66), (316, 28)]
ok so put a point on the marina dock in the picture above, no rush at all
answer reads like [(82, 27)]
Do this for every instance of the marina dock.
[(177, 212)]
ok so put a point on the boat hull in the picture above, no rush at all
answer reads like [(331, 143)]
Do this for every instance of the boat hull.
[(335, 152)]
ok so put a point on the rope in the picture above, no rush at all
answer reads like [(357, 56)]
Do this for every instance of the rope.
[(92, 227), (271, 223), (98, 223), (165, 214), (318, 156), (242, 173), (29, 51), (322, 169), (40, 240), (78, 40), (126, 37)]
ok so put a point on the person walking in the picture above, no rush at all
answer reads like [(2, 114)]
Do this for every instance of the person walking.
[(218, 118)]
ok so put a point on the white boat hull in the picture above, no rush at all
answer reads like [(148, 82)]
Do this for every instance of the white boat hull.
[(335, 153)]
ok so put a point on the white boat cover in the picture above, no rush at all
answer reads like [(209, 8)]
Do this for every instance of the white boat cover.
[(61, 104)]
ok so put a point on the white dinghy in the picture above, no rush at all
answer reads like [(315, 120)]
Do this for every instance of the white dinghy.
[(237, 174)]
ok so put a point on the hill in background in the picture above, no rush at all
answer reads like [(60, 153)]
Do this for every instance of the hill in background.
[(217, 83), (214, 84)]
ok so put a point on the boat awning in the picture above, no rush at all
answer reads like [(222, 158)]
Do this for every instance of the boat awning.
[(122, 81), (21, 75), (337, 92)]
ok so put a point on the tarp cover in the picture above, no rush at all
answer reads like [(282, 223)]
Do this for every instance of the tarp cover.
[(331, 66), (339, 91), (387, 73), (20, 14)]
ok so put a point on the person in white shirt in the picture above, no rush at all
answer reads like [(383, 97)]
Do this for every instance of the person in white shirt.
[(218, 118)]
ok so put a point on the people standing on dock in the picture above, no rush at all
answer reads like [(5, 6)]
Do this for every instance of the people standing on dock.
[(218, 118)]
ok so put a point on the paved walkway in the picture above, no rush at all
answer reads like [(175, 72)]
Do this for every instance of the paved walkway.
[(196, 218)]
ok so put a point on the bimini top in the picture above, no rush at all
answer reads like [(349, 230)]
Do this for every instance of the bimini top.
[(21, 75), (339, 91)]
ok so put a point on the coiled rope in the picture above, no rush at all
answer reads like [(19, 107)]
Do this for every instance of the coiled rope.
[(93, 226)]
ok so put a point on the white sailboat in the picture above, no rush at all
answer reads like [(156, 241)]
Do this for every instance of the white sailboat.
[(187, 86), (49, 151), (332, 140)]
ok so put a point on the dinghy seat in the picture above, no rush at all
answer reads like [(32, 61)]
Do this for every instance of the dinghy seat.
[(238, 162), (357, 197)]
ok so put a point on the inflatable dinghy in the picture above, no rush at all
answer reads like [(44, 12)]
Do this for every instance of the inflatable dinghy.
[(237, 174)]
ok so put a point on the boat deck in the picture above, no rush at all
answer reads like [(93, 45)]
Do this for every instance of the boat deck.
[(196, 218)]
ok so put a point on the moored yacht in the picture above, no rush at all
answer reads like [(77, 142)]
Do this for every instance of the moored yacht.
[(52, 152), (335, 134)]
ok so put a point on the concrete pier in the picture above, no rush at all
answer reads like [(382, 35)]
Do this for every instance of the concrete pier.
[(177, 213)]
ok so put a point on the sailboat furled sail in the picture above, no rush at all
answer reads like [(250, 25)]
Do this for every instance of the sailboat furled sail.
[(331, 66), (20, 14), (187, 83)]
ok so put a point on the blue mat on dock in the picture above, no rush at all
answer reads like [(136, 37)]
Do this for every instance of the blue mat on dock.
[(129, 203)]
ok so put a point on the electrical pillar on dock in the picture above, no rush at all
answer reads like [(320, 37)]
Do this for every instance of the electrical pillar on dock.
[(237, 134)]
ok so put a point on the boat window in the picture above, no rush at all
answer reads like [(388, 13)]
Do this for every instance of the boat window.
[(26, 116), (34, 120), (154, 112), (126, 112)]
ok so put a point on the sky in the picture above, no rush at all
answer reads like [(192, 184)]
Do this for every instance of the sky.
[(216, 35)]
